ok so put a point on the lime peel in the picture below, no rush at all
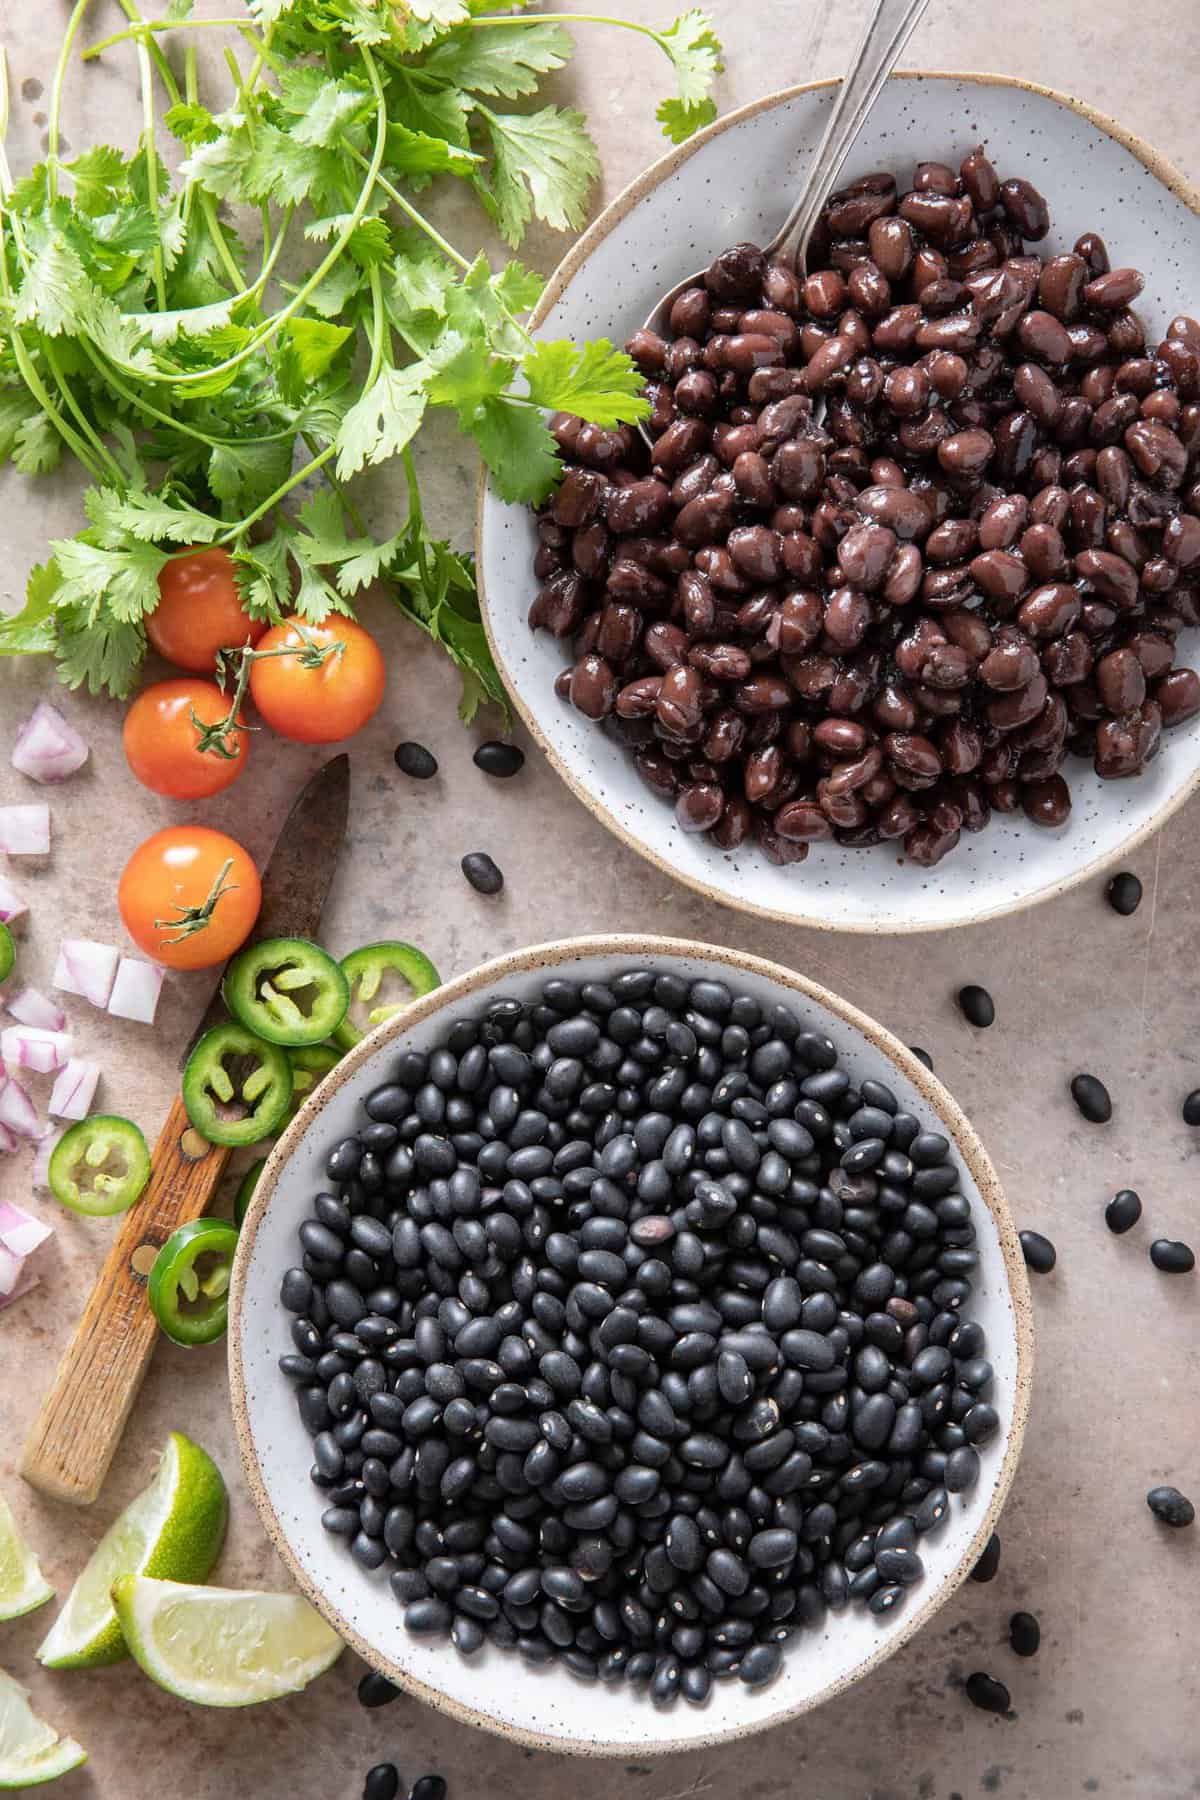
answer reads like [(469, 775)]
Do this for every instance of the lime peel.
[(31, 1752), (23, 1587)]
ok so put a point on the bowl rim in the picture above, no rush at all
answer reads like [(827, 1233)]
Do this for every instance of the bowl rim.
[(639, 947), (1162, 170)]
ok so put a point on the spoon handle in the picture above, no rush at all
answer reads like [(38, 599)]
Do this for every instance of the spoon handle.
[(887, 30)]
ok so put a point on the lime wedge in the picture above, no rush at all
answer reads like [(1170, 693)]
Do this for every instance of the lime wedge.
[(23, 1587), (222, 1647), (175, 1529), (31, 1751)]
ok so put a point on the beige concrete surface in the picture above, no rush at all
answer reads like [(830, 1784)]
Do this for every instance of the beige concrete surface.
[(1112, 1704)]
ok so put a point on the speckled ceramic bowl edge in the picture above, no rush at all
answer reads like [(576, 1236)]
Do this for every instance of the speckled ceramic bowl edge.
[(638, 946), (576, 256)]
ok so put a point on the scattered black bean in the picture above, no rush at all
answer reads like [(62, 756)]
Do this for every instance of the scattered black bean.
[(482, 873), (989, 1560), (428, 1787), (625, 1353), (415, 760), (382, 1783), (922, 1056), (1039, 1252), (1123, 1211), (1024, 1634), (988, 1694), (1124, 895), (977, 1006), (1169, 1505), (1191, 1108), (1172, 1257), (376, 1690), (1092, 1098), (500, 760)]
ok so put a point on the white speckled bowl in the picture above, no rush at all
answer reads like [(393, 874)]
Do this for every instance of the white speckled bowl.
[(734, 182), (550, 1708)]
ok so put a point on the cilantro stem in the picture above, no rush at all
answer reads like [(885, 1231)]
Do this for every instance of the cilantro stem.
[(54, 110), (567, 18), (146, 26), (150, 151), (409, 210)]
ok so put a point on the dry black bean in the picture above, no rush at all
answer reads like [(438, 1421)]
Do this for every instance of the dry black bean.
[(382, 1783), (482, 873), (1170, 1506), (416, 761), (988, 1694), (1092, 1098), (1172, 1257), (376, 1690), (1124, 893), (498, 759), (977, 1006), (1039, 1253), (428, 1787), (1024, 1634), (989, 1560), (1123, 1211), (1191, 1108)]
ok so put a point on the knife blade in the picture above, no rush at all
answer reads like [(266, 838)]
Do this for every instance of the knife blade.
[(79, 1426)]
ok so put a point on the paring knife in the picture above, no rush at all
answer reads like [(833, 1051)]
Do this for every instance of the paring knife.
[(68, 1452)]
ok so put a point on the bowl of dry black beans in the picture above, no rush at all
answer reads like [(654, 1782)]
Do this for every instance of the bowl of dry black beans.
[(630, 1346), (893, 626)]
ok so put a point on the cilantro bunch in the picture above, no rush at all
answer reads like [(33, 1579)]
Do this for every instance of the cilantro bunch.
[(279, 315)]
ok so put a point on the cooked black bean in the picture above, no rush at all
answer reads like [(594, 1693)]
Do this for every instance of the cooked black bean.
[(1039, 1253), (482, 873), (988, 1694), (1169, 1505), (636, 1321), (415, 760), (501, 760), (1123, 1211), (989, 1560), (976, 1005), (1172, 1257), (1024, 1634), (1124, 893), (1092, 1098)]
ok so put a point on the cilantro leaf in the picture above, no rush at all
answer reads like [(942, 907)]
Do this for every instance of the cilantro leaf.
[(37, 446), (518, 449), (103, 655), (425, 106), (190, 122), (55, 292), (421, 280), (383, 421), (593, 380), (324, 107), (32, 631), (417, 153), (464, 373), (695, 53), (263, 574), (508, 64), (518, 288), (543, 163), (125, 580), (244, 474), (681, 119), (148, 518), (101, 176), (315, 343)]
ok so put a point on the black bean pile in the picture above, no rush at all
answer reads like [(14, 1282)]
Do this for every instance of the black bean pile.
[(887, 621), (628, 1333)]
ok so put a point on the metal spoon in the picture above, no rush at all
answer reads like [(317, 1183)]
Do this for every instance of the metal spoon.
[(887, 30)]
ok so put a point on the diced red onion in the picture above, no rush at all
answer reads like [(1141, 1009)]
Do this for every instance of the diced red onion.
[(22, 1285), (10, 1272), (47, 747), (25, 830), (32, 1008), (25, 1047), (86, 968), (11, 904), (40, 1178), (20, 1231), (136, 990), (17, 1110), (8, 1141), (74, 1090)]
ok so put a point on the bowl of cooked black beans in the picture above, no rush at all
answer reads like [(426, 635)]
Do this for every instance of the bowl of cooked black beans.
[(892, 628), (630, 1346)]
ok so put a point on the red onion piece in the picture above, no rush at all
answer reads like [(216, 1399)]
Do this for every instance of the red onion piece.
[(40, 1178), (136, 990), (32, 1008), (74, 1090), (9, 1141), (11, 904), (86, 968), (24, 1281), (25, 1047), (47, 747), (25, 830), (20, 1231), (17, 1110)]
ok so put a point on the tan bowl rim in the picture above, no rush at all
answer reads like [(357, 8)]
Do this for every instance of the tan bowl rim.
[(576, 256), (637, 947)]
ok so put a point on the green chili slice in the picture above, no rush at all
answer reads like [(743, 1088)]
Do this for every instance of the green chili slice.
[(245, 1193), (365, 970), (8, 953), (310, 1065), (189, 1283), (287, 991), (236, 1087), (100, 1166)]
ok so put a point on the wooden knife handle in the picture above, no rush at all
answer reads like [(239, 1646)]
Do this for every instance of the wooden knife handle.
[(68, 1452)]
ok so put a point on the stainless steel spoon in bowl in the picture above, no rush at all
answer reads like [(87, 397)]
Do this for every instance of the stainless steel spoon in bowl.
[(888, 27)]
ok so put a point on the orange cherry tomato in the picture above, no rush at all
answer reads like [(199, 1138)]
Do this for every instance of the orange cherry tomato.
[(318, 705), (162, 739), (200, 610), (188, 896)]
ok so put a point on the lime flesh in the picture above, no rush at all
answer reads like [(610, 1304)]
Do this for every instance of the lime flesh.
[(23, 1587), (31, 1752)]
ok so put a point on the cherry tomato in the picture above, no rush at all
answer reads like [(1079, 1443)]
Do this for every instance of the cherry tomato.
[(200, 610), (189, 896), (162, 740), (322, 704)]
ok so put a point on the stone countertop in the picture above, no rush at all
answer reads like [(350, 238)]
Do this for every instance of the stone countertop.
[(1111, 1704)]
